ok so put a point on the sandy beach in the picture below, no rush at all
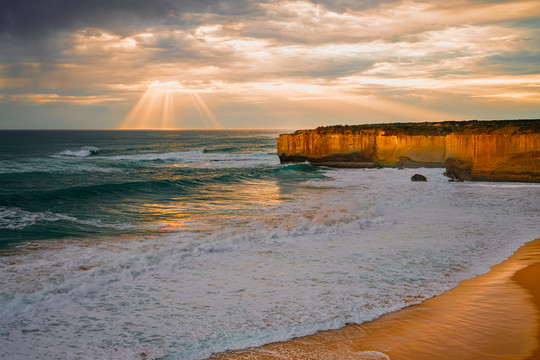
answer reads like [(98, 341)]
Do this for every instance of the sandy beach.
[(492, 316)]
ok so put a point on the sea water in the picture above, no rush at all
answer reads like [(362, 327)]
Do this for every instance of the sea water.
[(181, 244)]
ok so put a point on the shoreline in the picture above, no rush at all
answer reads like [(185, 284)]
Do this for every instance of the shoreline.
[(492, 316)]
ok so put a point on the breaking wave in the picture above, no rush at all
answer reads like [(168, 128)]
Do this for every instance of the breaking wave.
[(12, 218), (83, 152)]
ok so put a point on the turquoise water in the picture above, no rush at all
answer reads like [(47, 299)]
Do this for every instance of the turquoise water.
[(75, 184), (181, 244)]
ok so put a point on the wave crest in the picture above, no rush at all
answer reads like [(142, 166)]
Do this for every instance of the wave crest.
[(13, 218), (83, 152)]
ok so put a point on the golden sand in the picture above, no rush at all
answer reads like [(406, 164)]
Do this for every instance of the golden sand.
[(492, 316)]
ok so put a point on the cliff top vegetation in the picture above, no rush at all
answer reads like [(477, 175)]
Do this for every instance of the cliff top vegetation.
[(435, 128)]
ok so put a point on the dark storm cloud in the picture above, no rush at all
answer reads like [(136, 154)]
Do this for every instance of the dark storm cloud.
[(31, 18)]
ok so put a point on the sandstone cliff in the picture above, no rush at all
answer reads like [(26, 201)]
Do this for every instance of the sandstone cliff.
[(471, 150)]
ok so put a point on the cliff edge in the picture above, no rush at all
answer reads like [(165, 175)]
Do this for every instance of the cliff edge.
[(502, 150)]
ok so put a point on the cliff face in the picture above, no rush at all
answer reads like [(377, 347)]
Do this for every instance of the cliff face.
[(506, 155), (410, 150), (368, 148), (493, 150), (337, 149)]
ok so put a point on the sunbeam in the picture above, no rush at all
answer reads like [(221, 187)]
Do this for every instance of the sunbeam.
[(158, 108), (204, 111)]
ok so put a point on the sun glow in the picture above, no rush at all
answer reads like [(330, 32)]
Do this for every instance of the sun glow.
[(158, 108)]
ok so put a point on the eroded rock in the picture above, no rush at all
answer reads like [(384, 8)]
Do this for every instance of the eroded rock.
[(418, 177)]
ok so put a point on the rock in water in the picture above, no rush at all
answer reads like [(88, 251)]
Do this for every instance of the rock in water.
[(452, 175), (418, 177)]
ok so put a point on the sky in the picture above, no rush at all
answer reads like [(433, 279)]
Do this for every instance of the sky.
[(119, 64)]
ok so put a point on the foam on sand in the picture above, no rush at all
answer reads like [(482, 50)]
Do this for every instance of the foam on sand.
[(492, 316)]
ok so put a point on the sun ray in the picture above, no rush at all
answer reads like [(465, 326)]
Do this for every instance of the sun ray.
[(168, 110), (140, 111), (209, 114), (157, 108), (199, 110), (204, 110)]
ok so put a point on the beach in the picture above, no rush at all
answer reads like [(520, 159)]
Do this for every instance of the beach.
[(491, 316), (186, 244)]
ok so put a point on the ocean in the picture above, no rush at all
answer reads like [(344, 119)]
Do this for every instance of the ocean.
[(181, 244)]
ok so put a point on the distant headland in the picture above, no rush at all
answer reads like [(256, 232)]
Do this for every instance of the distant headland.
[(497, 150)]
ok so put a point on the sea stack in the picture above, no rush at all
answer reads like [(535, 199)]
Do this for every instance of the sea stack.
[(500, 150)]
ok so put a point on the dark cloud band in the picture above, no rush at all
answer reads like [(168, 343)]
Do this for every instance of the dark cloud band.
[(30, 18)]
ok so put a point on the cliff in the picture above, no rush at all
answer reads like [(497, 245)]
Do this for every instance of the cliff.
[(470, 150), (509, 153)]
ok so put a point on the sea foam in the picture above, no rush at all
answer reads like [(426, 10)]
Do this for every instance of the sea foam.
[(83, 152), (346, 248), (13, 218)]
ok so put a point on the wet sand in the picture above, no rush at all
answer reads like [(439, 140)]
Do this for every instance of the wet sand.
[(492, 316)]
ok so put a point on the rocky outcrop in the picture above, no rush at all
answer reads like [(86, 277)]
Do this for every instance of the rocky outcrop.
[(470, 150), (418, 177)]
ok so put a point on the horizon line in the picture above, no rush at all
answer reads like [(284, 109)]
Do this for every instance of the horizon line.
[(246, 128)]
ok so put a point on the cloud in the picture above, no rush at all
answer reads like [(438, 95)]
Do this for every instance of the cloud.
[(293, 52), (520, 62), (28, 18), (55, 98)]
